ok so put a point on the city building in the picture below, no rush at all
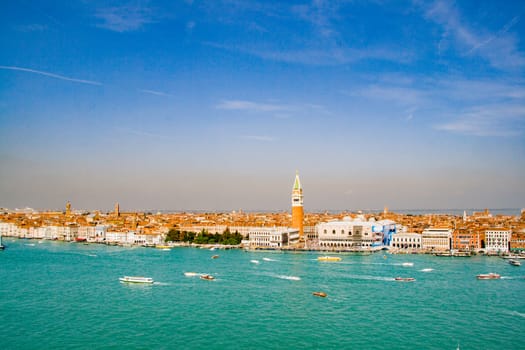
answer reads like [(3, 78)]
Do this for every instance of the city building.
[(436, 239), (467, 239), (297, 207), (406, 241), (275, 237), (355, 234), (517, 241), (497, 240)]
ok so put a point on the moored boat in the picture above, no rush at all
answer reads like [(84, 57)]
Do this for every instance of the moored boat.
[(80, 239), (207, 277), (514, 262), (2, 247), (328, 258), (488, 276), (136, 279), (214, 256), (513, 257), (404, 279), (319, 294)]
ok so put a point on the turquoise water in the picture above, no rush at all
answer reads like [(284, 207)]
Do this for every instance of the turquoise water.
[(56, 295)]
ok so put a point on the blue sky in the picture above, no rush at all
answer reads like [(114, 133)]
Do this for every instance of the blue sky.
[(215, 104)]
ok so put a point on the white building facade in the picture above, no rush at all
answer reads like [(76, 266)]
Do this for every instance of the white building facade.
[(497, 241), (436, 239), (406, 241), (354, 234), (272, 237)]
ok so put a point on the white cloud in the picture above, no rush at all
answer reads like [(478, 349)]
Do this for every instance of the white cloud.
[(52, 75), (500, 49), (323, 56), (488, 120), (240, 105), (124, 18), (153, 92)]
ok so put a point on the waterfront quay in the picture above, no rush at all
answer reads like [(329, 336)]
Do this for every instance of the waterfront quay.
[(476, 232)]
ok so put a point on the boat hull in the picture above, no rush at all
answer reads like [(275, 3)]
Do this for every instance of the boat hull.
[(134, 279), (490, 276)]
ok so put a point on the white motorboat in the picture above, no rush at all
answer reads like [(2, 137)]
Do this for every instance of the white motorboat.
[(136, 279)]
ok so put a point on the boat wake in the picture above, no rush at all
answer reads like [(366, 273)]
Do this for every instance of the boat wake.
[(373, 278), (254, 261), (426, 270), (93, 255), (191, 274), (161, 283), (516, 313), (290, 278), (268, 259)]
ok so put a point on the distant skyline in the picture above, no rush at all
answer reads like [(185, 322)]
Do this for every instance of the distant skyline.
[(214, 105)]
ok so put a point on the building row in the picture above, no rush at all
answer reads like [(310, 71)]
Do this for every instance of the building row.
[(93, 234), (491, 241)]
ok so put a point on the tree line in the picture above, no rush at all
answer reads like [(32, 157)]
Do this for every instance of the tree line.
[(204, 237)]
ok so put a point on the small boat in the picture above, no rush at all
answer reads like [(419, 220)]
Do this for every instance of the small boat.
[(207, 277), (407, 264), (513, 257), (254, 261), (136, 279), (319, 294), (404, 279), (80, 239), (214, 256), (514, 262), (2, 247), (162, 247), (328, 258), (488, 276)]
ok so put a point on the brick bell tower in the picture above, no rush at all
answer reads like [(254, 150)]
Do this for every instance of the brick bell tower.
[(297, 206)]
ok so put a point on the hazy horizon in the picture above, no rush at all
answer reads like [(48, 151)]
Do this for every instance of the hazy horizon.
[(216, 104)]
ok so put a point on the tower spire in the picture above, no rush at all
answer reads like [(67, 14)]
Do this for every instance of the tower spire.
[(297, 182), (297, 206)]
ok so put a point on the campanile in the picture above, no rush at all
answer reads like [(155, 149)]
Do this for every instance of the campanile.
[(297, 206)]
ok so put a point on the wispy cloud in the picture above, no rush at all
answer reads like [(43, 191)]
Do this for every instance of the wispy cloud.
[(500, 49), (257, 138), (153, 92), (241, 105), (277, 110), (320, 14), (51, 75), (124, 18), (502, 31), (488, 120), (322, 56), (475, 107)]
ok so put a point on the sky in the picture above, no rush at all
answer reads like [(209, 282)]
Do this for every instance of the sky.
[(215, 104)]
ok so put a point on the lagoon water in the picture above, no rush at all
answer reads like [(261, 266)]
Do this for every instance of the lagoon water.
[(56, 295)]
